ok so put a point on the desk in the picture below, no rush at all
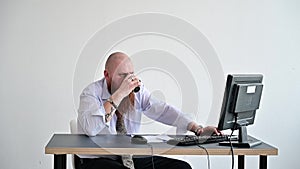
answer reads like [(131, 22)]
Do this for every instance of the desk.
[(62, 144)]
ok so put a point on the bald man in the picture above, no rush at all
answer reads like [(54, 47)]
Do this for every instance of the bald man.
[(109, 106)]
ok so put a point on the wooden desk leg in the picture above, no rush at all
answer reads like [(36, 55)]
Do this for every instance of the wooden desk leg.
[(241, 162), (60, 161), (263, 162)]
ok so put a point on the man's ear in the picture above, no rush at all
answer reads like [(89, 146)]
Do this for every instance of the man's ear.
[(106, 74)]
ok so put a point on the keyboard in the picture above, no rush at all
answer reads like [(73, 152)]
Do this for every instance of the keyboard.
[(188, 140)]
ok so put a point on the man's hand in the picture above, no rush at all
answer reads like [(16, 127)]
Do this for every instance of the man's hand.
[(199, 130), (209, 130), (126, 87)]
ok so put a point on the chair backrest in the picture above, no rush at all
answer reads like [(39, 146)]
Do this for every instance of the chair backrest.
[(73, 126), (73, 130)]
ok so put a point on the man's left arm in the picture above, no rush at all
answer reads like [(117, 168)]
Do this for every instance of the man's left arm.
[(167, 114)]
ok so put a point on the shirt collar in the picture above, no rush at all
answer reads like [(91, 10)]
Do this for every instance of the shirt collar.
[(105, 93)]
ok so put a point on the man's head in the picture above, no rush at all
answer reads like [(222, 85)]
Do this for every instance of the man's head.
[(117, 67)]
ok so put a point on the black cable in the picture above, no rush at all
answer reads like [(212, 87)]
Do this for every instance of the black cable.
[(208, 160), (231, 146), (152, 154)]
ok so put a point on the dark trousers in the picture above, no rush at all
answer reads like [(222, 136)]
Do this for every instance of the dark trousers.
[(139, 163)]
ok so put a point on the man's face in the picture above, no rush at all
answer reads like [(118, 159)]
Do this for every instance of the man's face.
[(122, 69)]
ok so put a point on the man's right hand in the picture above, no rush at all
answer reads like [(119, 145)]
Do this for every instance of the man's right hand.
[(128, 84)]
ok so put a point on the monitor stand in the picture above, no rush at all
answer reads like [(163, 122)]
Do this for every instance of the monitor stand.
[(243, 140)]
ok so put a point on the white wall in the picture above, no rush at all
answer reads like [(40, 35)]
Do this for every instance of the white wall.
[(42, 42)]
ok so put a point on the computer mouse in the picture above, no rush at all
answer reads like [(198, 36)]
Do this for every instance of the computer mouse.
[(138, 139)]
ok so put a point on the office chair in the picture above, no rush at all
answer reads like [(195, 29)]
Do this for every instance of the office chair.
[(73, 126), (73, 130)]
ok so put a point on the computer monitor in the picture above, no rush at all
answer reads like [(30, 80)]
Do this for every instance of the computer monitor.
[(241, 100)]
